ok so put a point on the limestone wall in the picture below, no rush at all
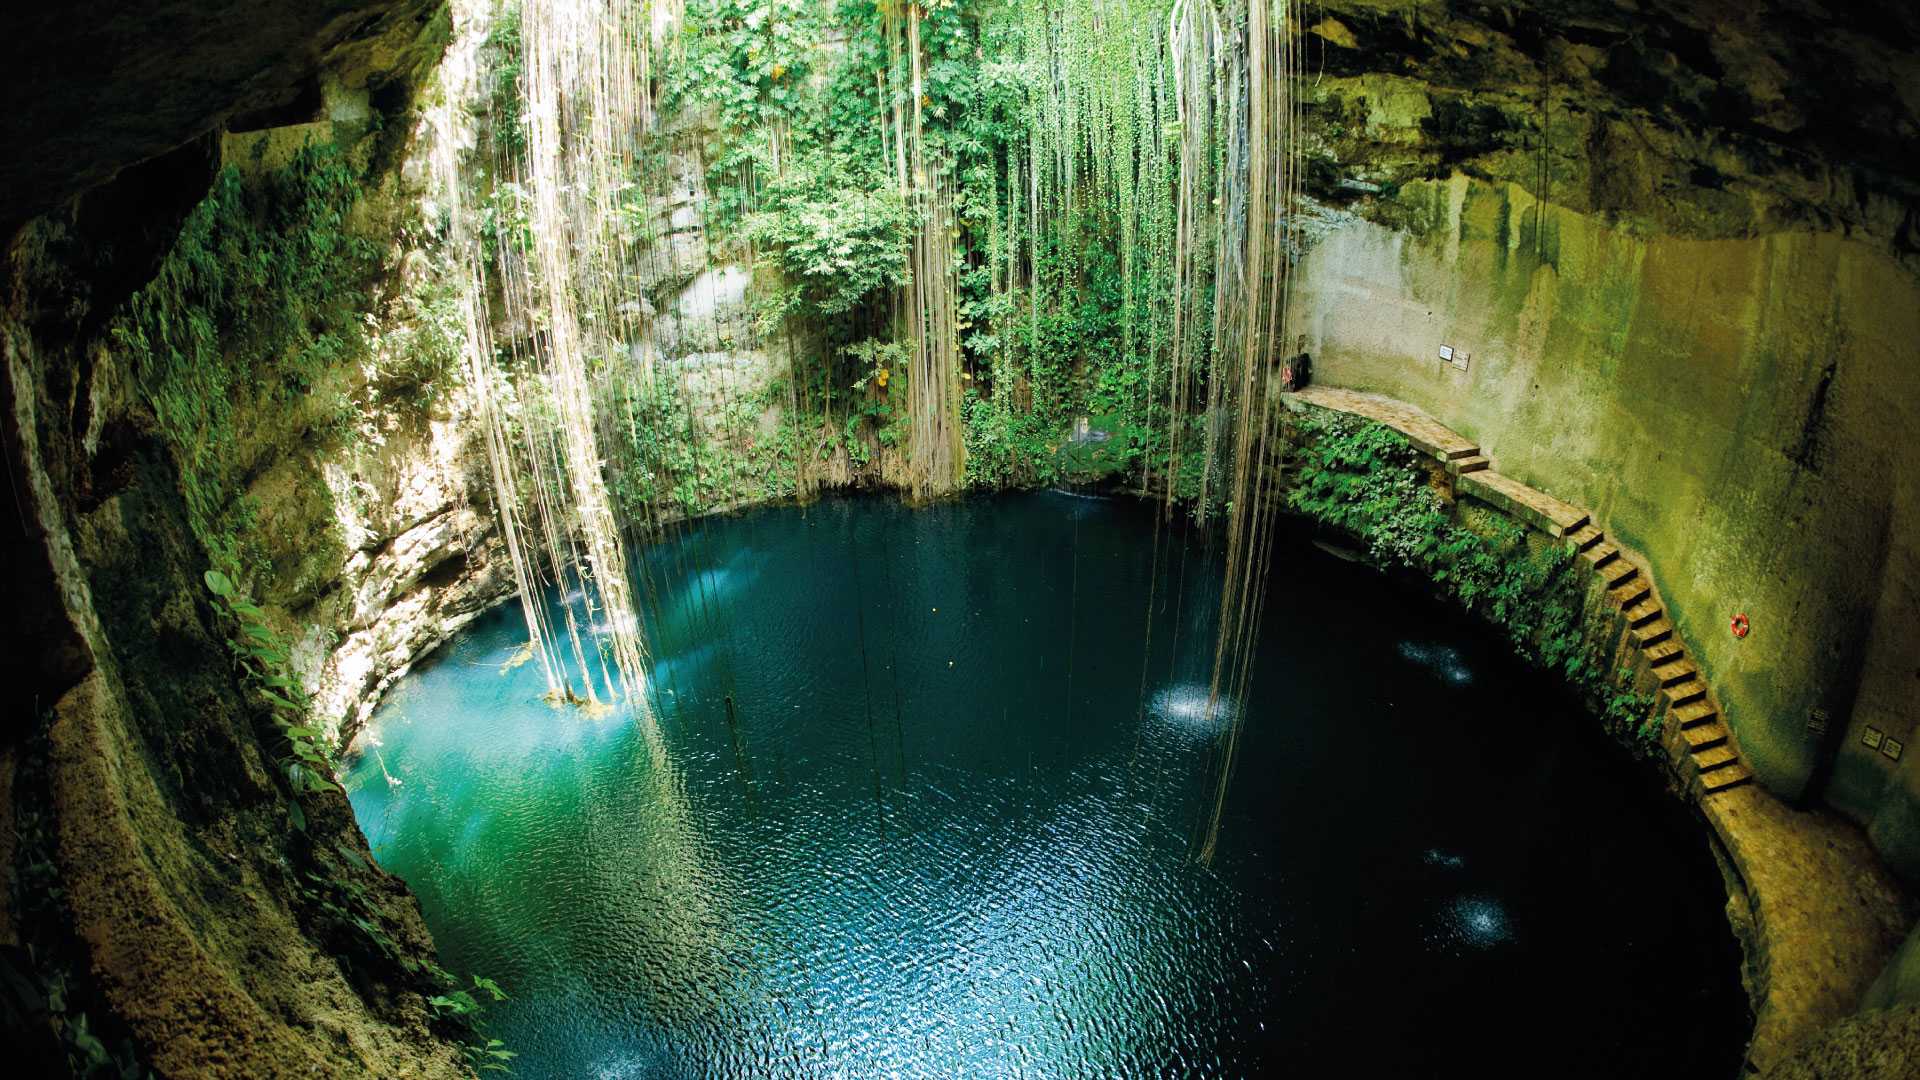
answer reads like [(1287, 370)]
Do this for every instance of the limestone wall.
[(1743, 411)]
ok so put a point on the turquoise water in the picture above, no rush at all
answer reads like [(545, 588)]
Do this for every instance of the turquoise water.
[(919, 800)]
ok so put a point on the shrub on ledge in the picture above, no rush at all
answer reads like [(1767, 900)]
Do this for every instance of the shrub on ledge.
[(1364, 479)]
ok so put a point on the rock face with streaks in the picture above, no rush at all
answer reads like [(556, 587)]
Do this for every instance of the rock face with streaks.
[(174, 909), (421, 558), (1685, 118)]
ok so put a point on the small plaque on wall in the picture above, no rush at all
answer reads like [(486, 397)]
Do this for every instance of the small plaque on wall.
[(1892, 748), (1817, 722), (1871, 737)]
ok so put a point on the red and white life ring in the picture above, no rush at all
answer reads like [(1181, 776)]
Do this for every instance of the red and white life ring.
[(1741, 627)]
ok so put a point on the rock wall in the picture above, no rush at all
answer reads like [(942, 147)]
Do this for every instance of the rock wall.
[(381, 540), (1900, 983), (420, 555), (173, 910), (178, 919), (1678, 117), (1740, 410)]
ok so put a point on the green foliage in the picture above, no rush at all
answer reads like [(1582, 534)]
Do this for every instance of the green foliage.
[(306, 760), (258, 300), (666, 463), (838, 247), (503, 54), (1366, 480), (751, 64), (1040, 118), (1003, 449), (505, 220), (1631, 714), (419, 357), (880, 407), (466, 1005)]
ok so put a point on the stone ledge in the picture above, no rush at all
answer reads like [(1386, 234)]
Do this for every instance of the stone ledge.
[(1428, 435)]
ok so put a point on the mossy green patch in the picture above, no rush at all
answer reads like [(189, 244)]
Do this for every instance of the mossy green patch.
[(255, 305), (1364, 479)]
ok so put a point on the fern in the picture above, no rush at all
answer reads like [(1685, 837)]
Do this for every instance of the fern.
[(305, 759)]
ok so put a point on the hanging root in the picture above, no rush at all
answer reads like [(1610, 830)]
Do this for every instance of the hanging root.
[(1260, 188)]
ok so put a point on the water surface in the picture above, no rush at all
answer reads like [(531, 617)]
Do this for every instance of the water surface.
[(921, 796)]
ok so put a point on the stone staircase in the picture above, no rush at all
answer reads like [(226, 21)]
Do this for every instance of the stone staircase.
[(1689, 700), (1690, 712)]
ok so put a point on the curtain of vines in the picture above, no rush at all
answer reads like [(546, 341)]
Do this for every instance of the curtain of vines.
[(967, 224)]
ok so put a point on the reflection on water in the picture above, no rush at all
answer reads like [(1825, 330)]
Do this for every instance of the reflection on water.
[(1185, 708), (1478, 922), (1443, 661), (918, 802)]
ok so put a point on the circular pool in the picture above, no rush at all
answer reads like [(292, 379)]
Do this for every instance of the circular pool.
[(921, 795)]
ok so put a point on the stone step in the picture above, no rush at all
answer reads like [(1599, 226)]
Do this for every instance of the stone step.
[(1461, 466), (1600, 554), (1695, 714), (1585, 536), (1662, 653), (1685, 693), (1642, 613), (1721, 779), (1705, 735), (1675, 674), (1546, 513), (1718, 756), (1618, 572), (1654, 633), (1631, 592)]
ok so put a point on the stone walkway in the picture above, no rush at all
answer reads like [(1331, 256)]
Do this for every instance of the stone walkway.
[(1824, 913)]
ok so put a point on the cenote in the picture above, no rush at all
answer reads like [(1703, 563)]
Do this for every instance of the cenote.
[(921, 798)]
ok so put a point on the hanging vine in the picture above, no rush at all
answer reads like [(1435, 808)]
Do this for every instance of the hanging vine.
[(974, 229)]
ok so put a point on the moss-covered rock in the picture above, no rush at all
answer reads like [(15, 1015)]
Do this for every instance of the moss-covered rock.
[(176, 906), (1657, 116)]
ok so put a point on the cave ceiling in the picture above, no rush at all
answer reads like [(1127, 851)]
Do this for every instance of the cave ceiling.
[(1718, 117)]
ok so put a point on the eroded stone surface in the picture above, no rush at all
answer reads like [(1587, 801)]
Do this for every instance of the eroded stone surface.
[(1674, 116), (1827, 914), (1878, 1045)]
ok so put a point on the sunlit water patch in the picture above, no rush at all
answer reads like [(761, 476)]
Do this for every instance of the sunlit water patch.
[(1476, 922), (1444, 662), (918, 800), (1191, 710)]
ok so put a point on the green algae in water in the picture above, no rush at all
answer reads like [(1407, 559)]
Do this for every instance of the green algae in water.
[(904, 813)]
